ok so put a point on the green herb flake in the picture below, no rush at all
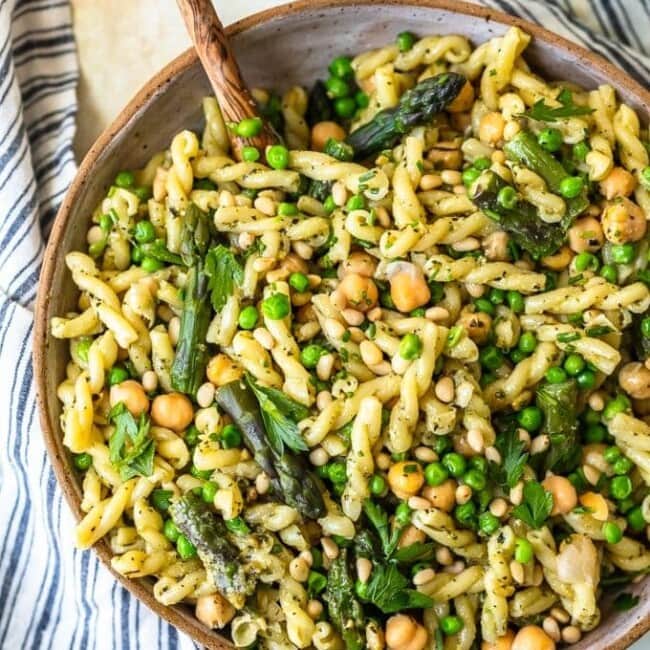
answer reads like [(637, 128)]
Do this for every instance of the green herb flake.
[(224, 272), (536, 506), (131, 448)]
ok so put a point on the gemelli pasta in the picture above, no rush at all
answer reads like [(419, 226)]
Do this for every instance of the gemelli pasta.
[(386, 386)]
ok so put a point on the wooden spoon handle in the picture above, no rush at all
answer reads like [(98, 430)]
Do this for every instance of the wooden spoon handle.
[(218, 60)]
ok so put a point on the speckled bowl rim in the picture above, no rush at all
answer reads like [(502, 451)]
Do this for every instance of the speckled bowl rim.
[(181, 617)]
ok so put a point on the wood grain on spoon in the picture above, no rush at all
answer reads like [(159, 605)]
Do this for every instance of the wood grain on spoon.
[(218, 60)]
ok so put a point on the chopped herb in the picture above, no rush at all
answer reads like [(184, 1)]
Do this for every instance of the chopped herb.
[(545, 113), (513, 459), (568, 337), (536, 506), (599, 330), (625, 601), (131, 448), (387, 590), (224, 272)]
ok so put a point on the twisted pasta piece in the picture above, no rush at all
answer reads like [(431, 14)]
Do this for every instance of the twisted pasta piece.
[(633, 437), (294, 106), (446, 586), (293, 600), (441, 527)]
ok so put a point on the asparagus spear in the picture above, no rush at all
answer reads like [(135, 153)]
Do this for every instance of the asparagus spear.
[(344, 609), (416, 107), (209, 535), (319, 107), (522, 222), (525, 149), (291, 479)]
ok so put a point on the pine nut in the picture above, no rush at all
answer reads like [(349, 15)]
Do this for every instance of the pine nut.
[(444, 556), (303, 250), (150, 381), (339, 193), (307, 557), (318, 457), (174, 329), (382, 460), (430, 182), (374, 314), (436, 314), (381, 369), (205, 395), (445, 390), (330, 548), (95, 234), (538, 575), (591, 474), (492, 454), (263, 264), (419, 503), (226, 199), (451, 177), (517, 493), (323, 399), (596, 402), (325, 366), (314, 609), (370, 353), (475, 440), (517, 571), (264, 338), (265, 205), (475, 290), (498, 507), (364, 569), (423, 576), (298, 569), (425, 454), (338, 300), (560, 615), (262, 483), (467, 244), (455, 567), (524, 436), (245, 240), (463, 494), (334, 329), (357, 334), (353, 316), (540, 444), (551, 628), (571, 634)]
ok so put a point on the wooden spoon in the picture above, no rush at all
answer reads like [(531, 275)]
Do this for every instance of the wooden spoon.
[(218, 60)]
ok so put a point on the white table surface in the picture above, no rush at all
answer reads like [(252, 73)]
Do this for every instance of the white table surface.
[(122, 43)]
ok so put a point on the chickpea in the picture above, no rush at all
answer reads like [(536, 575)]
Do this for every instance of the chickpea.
[(597, 504), (532, 637), (558, 261), (623, 221), (586, 235), (619, 182), (490, 129), (222, 370), (323, 131), (565, 497), (405, 633), (634, 379), (463, 100), (405, 478), (173, 411), (411, 535), (214, 611), (360, 292), (360, 263), (409, 290), (502, 643), (132, 394), (442, 496), (477, 325)]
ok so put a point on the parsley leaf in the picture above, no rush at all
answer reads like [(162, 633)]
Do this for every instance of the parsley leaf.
[(625, 601), (545, 113), (536, 507), (159, 251), (379, 519), (280, 414), (513, 459), (224, 272), (387, 590), (131, 448), (416, 552)]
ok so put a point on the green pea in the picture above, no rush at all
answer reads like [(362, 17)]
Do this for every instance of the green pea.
[(586, 380), (451, 625), (144, 232), (523, 550), (595, 433), (475, 479), (316, 582), (276, 306), (238, 526), (577, 480), (230, 436), (249, 127), (612, 454), (403, 514), (248, 317), (617, 405), (622, 466), (586, 260), (203, 474), (507, 197), (442, 444), (610, 273), (125, 179), (635, 519), (185, 548), (205, 183), (574, 364), (299, 282), (277, 156), (454, 463), (161, 499), (623, 253), (482, 163), (143, 193), (151, 264), (345, 107), (625, 505), (488, 523), (329, 204), (337, 87), (479, 463), (336, 472), (83, 461), (418, 313), (530, 418), (356, 202), (491, 357), (250, 154), (317, 558), (82, 346), (192, 436), (580, 150), (590, 416), (170, 530), (106, 222), (435, 474), (550, 139), (466, 513), (497, 296), (377, 485), (485, 306), (116, 375), (405, 41), (287, 209), (515, 301), (341, 66), (527, 342), (613, 534), (469, 175), (208, 491), (555, 375), (410, 347), (517, 355), (571, 186), (310, 355), (620, 487), (362, 99), (137, 255)]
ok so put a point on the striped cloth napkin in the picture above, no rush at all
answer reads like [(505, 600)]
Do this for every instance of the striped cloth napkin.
[(52, 596)]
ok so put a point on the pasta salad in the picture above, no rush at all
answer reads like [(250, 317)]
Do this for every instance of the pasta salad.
[(385, 385)]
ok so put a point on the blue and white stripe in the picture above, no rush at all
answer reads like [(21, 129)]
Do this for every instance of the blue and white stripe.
[(51, 596)]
